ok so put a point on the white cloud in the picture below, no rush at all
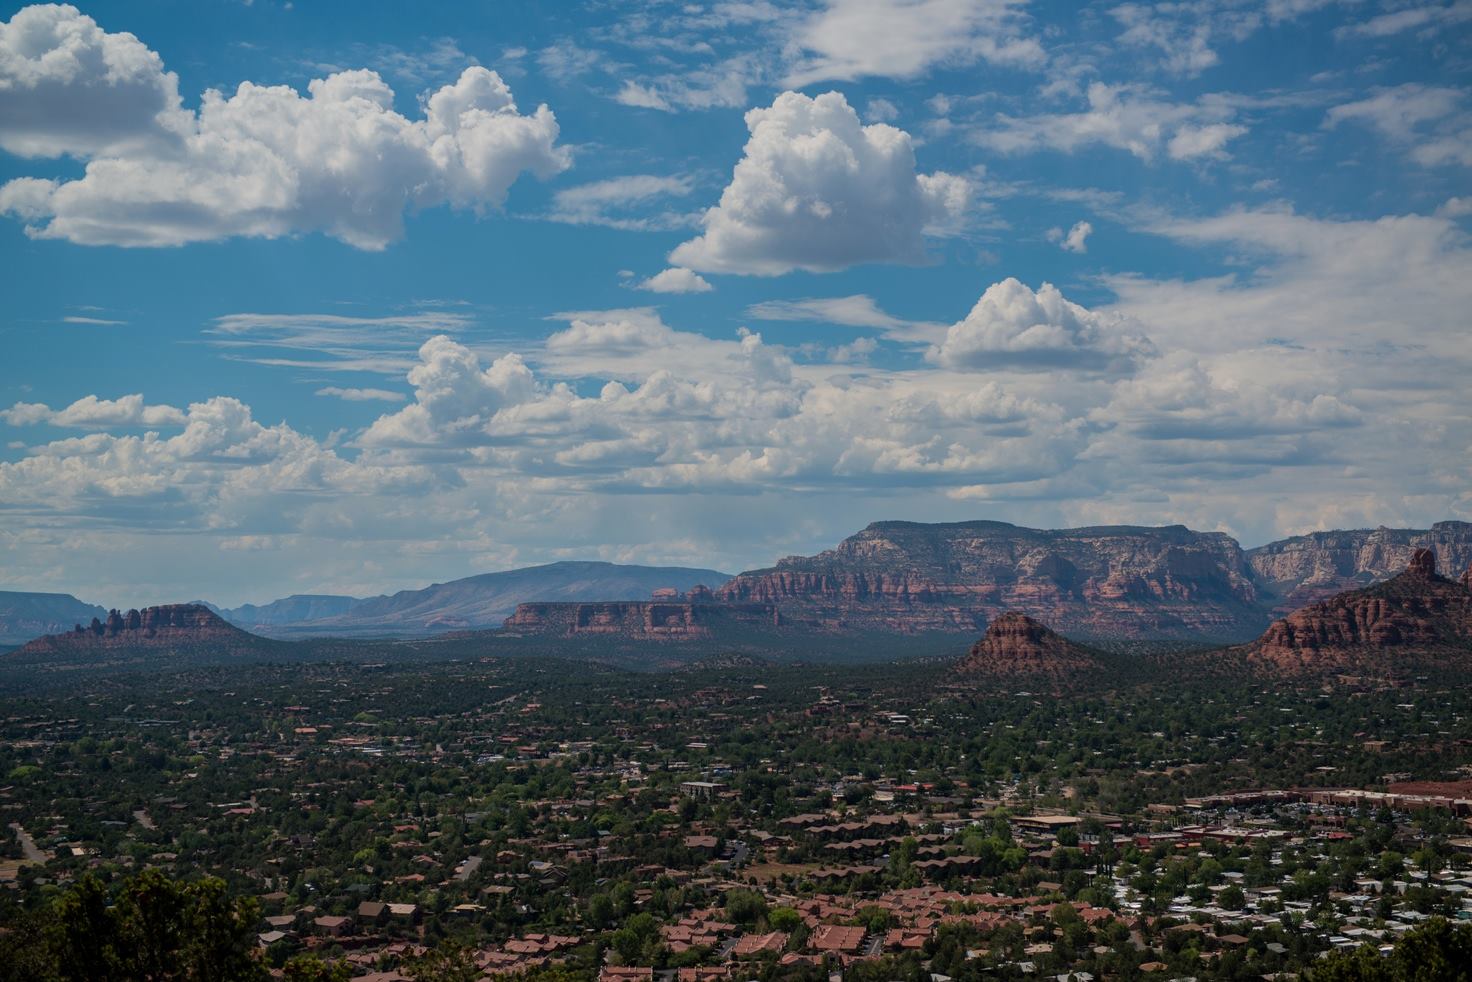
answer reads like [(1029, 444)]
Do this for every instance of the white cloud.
[(1426, 18), (92, 412), (1013, 327), (1126, 117), (1075, 239), (858, 310), (881, 111), (266, 161), (851, 39), (362, 395), (68, 87), (676, 279), (1185, 46), (1426, 118), (817, 190), (92, 321), (622, 202), (454, 398)]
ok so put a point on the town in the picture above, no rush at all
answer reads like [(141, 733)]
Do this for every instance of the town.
[(751, 821)]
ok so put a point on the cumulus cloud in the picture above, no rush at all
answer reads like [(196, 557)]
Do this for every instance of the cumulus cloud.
[(1011, 326), (1127, 117), (1181, 397), (69, 87), (215, 472), (1075, 239), (851, 39), (676, 279), (264, 161), (817, 190), (454, 398), (90, 411)]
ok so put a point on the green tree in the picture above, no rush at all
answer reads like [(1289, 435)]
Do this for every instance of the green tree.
[(448, 961)]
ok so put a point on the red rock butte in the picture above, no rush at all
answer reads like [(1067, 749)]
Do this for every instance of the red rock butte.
[(1415, 613), (1018, 645)]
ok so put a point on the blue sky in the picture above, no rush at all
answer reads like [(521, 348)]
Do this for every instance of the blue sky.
[(349, 298)]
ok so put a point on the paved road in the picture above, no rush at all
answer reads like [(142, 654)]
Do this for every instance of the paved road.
[(28, 845), (468, 869)]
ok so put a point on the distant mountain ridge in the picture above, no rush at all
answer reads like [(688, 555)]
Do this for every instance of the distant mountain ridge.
[(1097, 584), (24, 616), (482, 601)]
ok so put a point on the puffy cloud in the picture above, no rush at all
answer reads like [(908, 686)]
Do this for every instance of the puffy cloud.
[(69, 87), (1011, 326), (1181, 397), (1075, 239), (676, 279), (454, 398), (223, 469), (850, 39), (817, 190), (268, 161), (1126, 117), (90, 411), (611, 332)]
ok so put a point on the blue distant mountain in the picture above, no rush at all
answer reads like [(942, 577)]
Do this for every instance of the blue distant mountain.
[(24, 616), (473, 602)]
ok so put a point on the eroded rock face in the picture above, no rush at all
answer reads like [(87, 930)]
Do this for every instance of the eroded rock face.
[(1117, 580), (1417, 612), (152, 626), (1016, 645), (1295, 572)]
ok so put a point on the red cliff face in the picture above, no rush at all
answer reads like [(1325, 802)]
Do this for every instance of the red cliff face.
[(1119, 580), (1015, 645), (1415, 613), (164, 626), (1302, 570)]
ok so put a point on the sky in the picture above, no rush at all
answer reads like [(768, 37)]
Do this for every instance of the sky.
[(349, 298)]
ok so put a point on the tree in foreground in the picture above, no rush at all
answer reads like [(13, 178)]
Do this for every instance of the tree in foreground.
[(1434, 952), (149, 927)]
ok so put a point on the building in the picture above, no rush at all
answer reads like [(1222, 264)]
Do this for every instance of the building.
[(702, 790)]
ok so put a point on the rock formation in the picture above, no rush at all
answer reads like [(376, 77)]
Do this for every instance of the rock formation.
[(1294, 572), (1120, 581), (167, 626), (1417, 613), (1015, 645)]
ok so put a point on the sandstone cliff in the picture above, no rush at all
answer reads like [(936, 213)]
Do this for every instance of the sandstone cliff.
[(1121, 581), (1417, 615), (1016, 646), (1292, 573)]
